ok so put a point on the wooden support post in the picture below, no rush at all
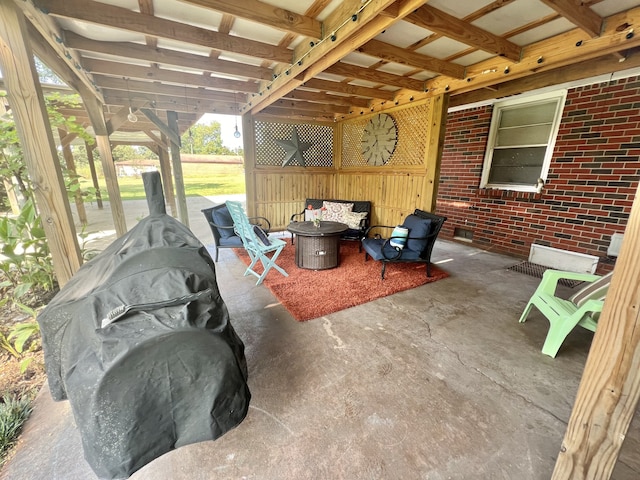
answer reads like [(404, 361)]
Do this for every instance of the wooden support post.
[(249, 147), (435, 143), (610, 387), (167, 180), (34, 131), (71, 166), (94, 109), (183, 214), (94, 175)]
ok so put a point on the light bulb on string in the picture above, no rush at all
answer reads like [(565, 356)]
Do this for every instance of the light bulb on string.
[(131, 116)]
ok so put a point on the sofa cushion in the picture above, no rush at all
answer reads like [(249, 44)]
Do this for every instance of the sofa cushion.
[(353, 219), (335, 211), (418, 229), (379, 249), (222, 217)]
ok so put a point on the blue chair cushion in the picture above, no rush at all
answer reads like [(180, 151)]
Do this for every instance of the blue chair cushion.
[(222, 217), (374, 246), (234, 241), (418, 228)]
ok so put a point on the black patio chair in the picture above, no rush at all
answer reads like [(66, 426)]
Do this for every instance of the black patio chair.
[(421, 229), (221, 224)]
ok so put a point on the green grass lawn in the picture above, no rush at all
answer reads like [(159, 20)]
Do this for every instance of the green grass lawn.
[(199, 179)]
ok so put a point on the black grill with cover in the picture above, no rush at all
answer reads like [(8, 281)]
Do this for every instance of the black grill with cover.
[(140, 342)]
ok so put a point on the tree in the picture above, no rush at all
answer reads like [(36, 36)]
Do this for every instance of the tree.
[(204, 140)]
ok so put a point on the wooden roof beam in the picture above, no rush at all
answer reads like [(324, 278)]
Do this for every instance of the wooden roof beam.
[(338, 87), (135, 86), (265, 14), (376, 76), (391, 53), (164, 57), (102, 68), (579, 14), (168, 103), (125, 19), (447, 25), (326, 98), (311, 106), (341, 38)]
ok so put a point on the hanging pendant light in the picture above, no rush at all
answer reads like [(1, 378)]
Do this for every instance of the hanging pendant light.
[(132, 116), (237, 133)]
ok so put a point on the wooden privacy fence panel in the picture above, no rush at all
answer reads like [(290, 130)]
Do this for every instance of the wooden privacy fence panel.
[(335, 166)]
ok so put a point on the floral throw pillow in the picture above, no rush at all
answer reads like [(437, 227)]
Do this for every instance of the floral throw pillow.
[(310, 215), (353, 219), (334, 212)]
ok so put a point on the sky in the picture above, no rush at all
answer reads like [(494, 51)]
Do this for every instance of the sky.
[(228, 127)]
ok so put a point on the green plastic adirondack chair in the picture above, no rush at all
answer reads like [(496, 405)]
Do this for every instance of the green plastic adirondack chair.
[(256, 243), (583, 308)]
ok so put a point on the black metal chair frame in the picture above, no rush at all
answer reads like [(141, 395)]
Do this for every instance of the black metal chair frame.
[(425, 255), (215, 228), (354, 235)]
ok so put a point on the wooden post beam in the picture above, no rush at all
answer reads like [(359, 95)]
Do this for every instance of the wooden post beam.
[(183, 214), (610, 387), (34, 131)]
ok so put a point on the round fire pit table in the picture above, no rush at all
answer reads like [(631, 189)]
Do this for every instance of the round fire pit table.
[(317, 248)]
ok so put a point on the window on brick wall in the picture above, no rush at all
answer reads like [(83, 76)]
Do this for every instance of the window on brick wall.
[(521, 140)]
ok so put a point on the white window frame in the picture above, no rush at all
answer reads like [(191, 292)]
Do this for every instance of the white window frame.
[(498, 108)]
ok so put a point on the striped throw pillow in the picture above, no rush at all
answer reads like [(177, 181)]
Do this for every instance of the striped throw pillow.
[(596, 290)]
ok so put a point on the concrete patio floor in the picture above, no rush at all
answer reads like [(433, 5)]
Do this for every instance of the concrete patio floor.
[(439, 382)]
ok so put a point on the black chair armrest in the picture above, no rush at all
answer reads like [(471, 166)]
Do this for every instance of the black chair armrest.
[(384, 250), (221, 227), (293, 217), (366, 233), (266, 226)]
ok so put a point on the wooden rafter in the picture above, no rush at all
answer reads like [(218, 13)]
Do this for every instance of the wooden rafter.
[(166, 57), (265, 14), (462, 31), (124, 19), (579, 14), (375, 76), (391, 53)]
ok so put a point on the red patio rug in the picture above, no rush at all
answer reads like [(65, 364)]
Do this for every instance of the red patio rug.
[(308, 294)]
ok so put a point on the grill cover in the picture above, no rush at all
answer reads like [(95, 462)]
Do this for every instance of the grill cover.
[(140, 342)]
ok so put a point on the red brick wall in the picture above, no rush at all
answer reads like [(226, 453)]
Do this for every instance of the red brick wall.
[(591, 184)]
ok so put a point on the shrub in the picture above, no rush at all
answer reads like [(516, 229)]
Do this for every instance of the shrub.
[(13, 413)]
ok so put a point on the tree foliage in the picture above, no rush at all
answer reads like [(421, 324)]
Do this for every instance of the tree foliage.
[(205, 140)]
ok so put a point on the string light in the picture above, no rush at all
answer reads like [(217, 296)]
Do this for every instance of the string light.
[(333, 37), (132, 116)]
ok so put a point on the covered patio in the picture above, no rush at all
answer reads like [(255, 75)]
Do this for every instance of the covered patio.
[(436, 382)]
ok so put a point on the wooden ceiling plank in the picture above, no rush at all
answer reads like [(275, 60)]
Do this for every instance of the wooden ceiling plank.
[(438, 21), (391, 53), (105, 81), (124, 19), (310, 106), (555, 52), (163, 102), (375, 76), (167, 92), (326, 98), (51, 34), (338, 87), (165, 57), (558, 76), (300, 115), (265, 14), (341, 37), (578, 14)]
